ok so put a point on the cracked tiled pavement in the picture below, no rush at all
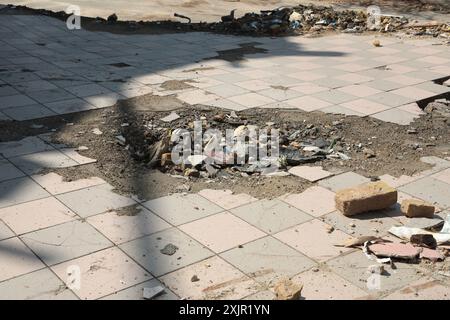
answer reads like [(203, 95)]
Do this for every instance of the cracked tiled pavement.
[(236, 245)]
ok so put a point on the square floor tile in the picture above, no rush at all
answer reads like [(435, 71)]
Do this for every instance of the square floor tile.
[(422, 289), (178, 208), (16, 259), (325, 285), (103, 273), (9, 171), (55, 184), (268, 260), (396, 115), (5, 231), (383, 85), (227, 90), (313, 239), (309, 88), (45, 96), (353, 267), (254, 85), (87, 90), (335, 96), (137, 292), (34, 111), (443, 176), (18, 100), (414, 92), (308, 103), (364, 106), (221, 231), (431, 190), (365, 224), (315, 201), (94, 200), (127, 224), (69, 106), (36, 162), (65, 241), (280, 93), (343, 181), (310, 173), (34, 215), (197, 96), (20, 190), (404, 80), (25, 146), (271, 215), (147, 251), (359, 90), (226, 198), (251, 100), (217, 280), (38, 285), (354, 78)]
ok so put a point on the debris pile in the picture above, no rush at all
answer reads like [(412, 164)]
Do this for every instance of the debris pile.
[(228, 145)]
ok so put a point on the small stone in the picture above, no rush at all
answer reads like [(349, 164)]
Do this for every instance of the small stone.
[(412, 131), (150, 293), (169, 249), (413, 208), (286, 289), (369, 153), (195, 278), (376, 43), (352, 225), (330, 229), (366, 197)]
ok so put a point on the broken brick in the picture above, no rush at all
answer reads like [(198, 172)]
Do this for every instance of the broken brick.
[(366, 197), (413, 208), (286, 289), (395, 250)]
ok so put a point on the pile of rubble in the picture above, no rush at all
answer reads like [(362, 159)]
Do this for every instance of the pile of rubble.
[(228, 152)]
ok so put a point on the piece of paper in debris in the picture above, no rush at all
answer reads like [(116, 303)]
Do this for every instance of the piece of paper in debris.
[(97, 131), (171, 117), (150, 293)]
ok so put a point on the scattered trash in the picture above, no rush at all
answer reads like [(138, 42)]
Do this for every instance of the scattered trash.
[(169, 249), (417, 208), (195, 278), (183, 17), (112, 18), (406, 233), (286, 289), (364, 198), (150, 293)]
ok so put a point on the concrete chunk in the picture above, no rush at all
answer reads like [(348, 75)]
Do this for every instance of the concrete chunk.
[(366, 197), (417, 208), (285, 289)]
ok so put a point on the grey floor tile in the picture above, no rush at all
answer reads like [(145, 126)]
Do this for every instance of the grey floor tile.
[(9, 171), (147, 251), (136, 292), (94, 200), (178, 209), (34, 111), (344, 180), (65, 242), (431, 190), (271, 216), (20, 190), (268, 260), (38, 285), (25, 146)]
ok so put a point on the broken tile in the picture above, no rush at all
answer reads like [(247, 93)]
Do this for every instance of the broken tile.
[(36, 162), (136, 292), (310, 173), (431, 190), (25, 146)]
